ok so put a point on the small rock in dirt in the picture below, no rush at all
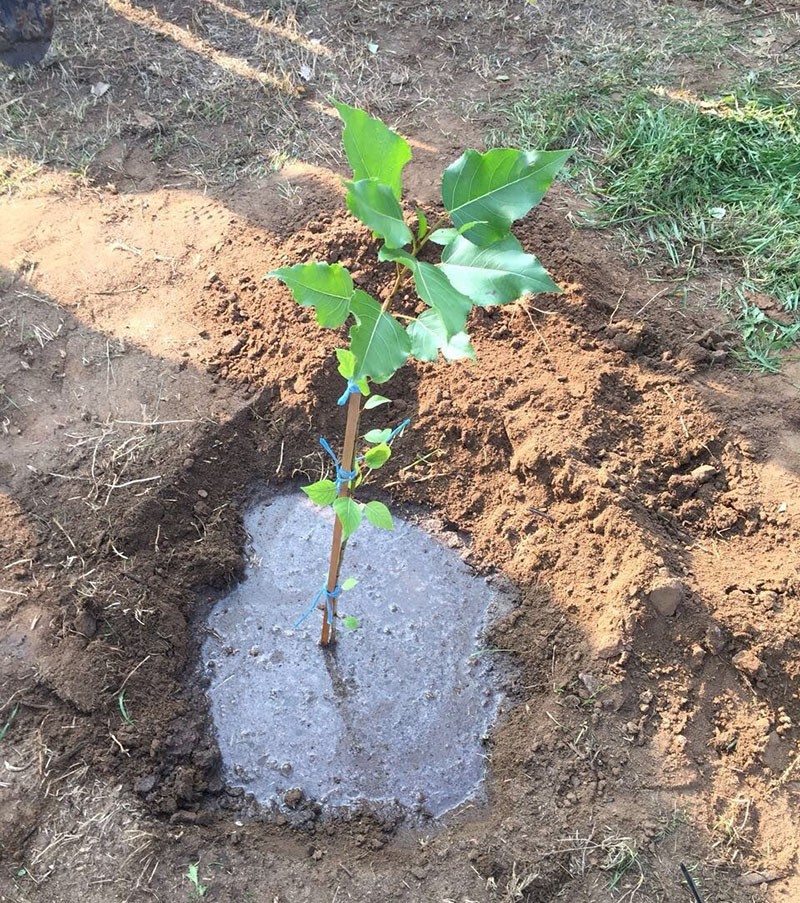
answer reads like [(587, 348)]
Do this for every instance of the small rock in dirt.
[(627, 341), (294, 797), (592, 683), (703, 474), (605, 479), (767, 599), (748, 663), (696, 657), (146, 784), (234, 346), (715, 639), (202, 493), (666, 594), (753, 879), (86, 623), (419, 873)]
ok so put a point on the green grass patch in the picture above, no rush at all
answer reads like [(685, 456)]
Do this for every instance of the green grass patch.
[(684, 175)]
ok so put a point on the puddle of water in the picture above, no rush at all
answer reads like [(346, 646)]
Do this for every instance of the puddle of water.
[(396, 712)]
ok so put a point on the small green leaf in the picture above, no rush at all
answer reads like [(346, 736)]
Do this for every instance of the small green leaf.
[(349, 513), (378, 341), (443, 236), (496, 188), (377, 456), (349, 584), (376, 401), (379, 515), (374, 204), (375, 437), (350, 622), (327, 287), (373, 150), (422, 224), (123, 709), (323, 492), (347, 362), (497, 274), (428, 336)]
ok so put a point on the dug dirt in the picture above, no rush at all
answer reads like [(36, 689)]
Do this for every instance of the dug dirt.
[(605, 455)]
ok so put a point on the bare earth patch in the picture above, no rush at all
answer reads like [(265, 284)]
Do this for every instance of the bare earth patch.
[(642, 494)]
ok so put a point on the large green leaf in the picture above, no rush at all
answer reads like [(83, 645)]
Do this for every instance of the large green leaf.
[(435, 289), (497, 274), (428, 336), (378, 341), (496, 188), (373, 150), (374, 204), (328, 287)]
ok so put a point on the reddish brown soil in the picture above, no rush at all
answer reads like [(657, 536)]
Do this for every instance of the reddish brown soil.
[(605, 444)]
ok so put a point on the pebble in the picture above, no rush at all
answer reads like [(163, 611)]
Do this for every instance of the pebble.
[(202, 493), (696, 657), (715, 639), (703, 474), (294, 797), (748, 663), (419, 873), (666, 594)]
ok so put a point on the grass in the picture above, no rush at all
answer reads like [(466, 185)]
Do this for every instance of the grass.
[(688, 179)]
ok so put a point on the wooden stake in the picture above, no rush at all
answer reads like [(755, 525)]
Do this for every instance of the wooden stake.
[(337, 546)]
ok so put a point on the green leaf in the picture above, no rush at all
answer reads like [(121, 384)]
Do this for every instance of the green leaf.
[(377, 456), (497, 187), (497, 274), (123, 708), (379, 515), (323, 492), (349, 513), (373, 150), (347, 362), (328, 287), (422, 224), (428, 336), (443, 236), (349, 584), (376, 401), (351, 622), (376, 437), (435, 289), (374, 204), (378, 341)]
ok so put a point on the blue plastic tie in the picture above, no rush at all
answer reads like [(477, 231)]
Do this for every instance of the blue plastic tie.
[(329, 597), (397, 430), (342, 476), (352, 389)]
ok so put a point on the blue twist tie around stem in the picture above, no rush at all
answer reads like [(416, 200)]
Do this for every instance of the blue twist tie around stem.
[(352, 389), (329, 596), (342, 476)]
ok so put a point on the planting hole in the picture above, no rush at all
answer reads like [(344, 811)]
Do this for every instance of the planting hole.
[(396, 710)]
